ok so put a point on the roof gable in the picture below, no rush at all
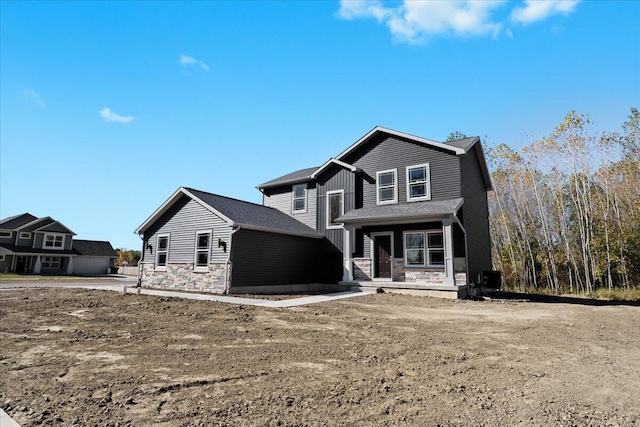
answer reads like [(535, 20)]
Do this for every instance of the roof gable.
[(298, 176), (55, 227), (16, 221)]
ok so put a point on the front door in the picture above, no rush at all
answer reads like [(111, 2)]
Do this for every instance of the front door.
[(21, 264), (382, 250)]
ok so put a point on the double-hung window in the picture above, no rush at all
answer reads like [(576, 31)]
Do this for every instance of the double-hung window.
[(162, 251), (53, 241), (386, 187), (418, 183), (299, 201), (203, 249), (335, 208), (424, 248)]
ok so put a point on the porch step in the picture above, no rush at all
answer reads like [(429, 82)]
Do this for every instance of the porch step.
[(417, 288)]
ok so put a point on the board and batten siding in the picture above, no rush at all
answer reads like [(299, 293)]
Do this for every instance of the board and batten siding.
[(384, 152), (475, 214), (281, 198), (333, 179), (265, 259), (181, 221)]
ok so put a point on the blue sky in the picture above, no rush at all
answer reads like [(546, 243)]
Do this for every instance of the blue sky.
[(106, 108)]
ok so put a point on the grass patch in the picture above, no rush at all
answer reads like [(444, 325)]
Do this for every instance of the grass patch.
[(36, 277), (617, 294)]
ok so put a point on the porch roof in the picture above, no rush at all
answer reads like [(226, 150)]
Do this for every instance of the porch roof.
[(27, 250), (402, 212)]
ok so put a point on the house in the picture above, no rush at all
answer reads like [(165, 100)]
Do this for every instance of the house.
[(392, 210), (32, 245)]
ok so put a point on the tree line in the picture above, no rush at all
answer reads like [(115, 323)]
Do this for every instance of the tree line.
[(565, 210), (130, 256)]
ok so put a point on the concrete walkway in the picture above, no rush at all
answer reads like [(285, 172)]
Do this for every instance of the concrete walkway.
[(113, 285)]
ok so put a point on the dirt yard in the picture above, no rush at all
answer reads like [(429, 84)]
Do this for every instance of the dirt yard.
[(79, 357)]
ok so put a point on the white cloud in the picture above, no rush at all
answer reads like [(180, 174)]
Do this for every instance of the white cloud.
[(33, 96), (415, 21), (537, 10), (110, 116), (186, 60)]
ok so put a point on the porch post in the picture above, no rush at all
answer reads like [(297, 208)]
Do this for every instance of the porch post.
[(36, 269), (70, 265), (447, 233), (347, 271)]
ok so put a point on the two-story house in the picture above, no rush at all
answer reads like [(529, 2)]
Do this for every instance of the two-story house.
[(393, 210), (32, 245)]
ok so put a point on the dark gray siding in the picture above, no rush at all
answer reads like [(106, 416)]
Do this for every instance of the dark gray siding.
[(475, 214), (25, 242), (6, 264), (363, 246), (8, 240), (383, 152), (335, 178), (38, 240), (182, 220), (281, 198), (263, 259)]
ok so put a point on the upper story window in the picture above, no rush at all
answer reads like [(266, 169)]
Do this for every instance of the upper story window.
[(53, 241), (203, 249), (5, 234), (418, 183), (335, 208), (25, 235), (299, 198), (387, 187), (423, 249), (162, 251)]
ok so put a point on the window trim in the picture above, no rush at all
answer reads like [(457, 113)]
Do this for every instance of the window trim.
[(427, 183), (328, 195), (54, 247), (22, 233), (294, 198), (197, 250), (426, 248), (2, 258), (395, 187), (158, 251), (5, 234)]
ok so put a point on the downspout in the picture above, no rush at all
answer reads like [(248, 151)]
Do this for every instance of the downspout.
[(226, 264), (466, 252)]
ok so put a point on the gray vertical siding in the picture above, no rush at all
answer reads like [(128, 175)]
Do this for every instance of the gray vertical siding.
[(335, 178), (38, 240), (26, 242), (384, 152), (263, 259), (6, 264), (182, 220), (475, 214), (281, 198)]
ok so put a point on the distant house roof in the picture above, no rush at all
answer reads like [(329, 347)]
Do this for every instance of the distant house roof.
[(16, 221), (402, 212), (301, 175), (237, 213), (94, 248)]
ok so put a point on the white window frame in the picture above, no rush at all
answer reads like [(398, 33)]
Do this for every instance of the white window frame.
[(165, 251), (328, 195), (427, 250), (24, 235), (51, 262), (294, 198), (55, 236), (395, 187), (2, 257), (197, 250), (427, 183), (5, 234)]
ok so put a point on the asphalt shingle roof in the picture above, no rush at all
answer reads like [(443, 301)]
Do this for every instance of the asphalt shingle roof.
[(252, 214), (402, 211), (297, 176), (465, 143), (94, 248), (16, 221)]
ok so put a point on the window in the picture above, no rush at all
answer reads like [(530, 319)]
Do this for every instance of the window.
[(335, 208), (25, 235), (424, 248), (300, 198), (387, 190), (1, 257), (162, 251), (53, 241), (203, 249), (51, 262), (5, 234), (418, 183)]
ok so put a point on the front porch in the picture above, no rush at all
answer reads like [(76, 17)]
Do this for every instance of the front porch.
[(412, 288)]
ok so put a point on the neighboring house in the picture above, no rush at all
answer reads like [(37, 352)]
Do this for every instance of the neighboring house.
[(392, 210), (32, 245)]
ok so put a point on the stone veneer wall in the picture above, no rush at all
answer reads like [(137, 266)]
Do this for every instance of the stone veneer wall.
[(181, 277), (431, 276), (362, 269)]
